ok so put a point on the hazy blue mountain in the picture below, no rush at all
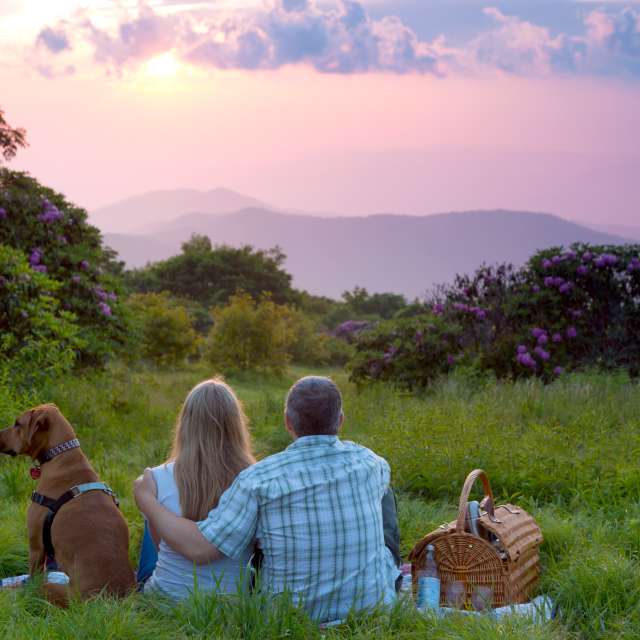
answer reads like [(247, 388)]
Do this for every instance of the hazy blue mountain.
[(632, 233), (406, 254), (150, 211)]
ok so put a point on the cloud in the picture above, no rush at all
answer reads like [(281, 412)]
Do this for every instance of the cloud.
[(54, 40), (610, 45), (135, 40), (341, 37), (613, 42)]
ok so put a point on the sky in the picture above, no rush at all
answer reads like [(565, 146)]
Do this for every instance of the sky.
[(337, 106)]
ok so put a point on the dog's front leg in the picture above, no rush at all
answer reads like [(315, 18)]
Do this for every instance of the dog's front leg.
[(37, 555), (37, 559)]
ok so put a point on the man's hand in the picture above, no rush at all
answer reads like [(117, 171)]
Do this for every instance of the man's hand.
[(145, 491), (181, 534)]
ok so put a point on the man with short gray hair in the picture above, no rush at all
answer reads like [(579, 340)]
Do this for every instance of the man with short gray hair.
[(314, 509)]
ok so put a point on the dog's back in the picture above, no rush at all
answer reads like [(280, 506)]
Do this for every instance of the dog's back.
[(91, 540)]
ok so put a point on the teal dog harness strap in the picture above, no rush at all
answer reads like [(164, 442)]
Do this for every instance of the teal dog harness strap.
[(55, 505)]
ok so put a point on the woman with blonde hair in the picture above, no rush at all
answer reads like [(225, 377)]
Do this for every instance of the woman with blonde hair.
[(211, 446)]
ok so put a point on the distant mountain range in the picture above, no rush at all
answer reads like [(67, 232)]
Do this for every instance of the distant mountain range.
[(328, 255), (150, 211)]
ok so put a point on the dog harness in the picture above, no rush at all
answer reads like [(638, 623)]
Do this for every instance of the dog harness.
[(55, 505)]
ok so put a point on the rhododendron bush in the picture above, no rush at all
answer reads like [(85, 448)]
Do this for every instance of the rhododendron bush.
[(56, 240), (37, 337), (564, 310)]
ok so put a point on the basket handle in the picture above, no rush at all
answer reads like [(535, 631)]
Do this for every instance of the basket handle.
[(487, 503)]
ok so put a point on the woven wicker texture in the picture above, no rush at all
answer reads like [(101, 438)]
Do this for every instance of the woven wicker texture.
[(511, 568)]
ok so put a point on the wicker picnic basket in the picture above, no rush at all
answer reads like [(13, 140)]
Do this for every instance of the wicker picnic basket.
[(504, 556)]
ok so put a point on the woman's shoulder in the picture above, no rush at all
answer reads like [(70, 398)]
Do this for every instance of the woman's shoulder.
[(163, 474), (165, 467)]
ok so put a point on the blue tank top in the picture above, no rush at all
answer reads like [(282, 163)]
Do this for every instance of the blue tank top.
[(175, 575)]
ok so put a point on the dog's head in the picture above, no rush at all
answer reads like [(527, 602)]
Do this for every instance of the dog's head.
[(35, 431)]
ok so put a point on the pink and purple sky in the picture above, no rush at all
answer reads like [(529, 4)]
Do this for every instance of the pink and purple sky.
[(407, 106)]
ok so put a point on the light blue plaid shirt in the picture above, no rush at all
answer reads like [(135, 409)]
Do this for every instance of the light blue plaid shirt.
[(315, 509)]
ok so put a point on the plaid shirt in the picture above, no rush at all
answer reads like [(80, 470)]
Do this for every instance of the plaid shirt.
[(315, 509)]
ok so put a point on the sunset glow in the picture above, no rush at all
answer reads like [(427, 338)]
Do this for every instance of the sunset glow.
[(162, 66), (302, 102)]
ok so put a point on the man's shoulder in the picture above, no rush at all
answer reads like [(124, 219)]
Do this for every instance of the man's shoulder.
[(265, 468), (363, 452)]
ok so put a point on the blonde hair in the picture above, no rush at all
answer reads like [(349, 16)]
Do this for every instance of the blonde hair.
[(211, 446)]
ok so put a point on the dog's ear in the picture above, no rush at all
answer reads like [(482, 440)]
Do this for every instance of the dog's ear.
[(39, 421)]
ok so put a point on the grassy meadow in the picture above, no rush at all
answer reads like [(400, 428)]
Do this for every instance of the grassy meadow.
[(567, 452)]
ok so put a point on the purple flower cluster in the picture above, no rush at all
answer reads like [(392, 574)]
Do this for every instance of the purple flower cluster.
[(104, 308), (605, 260), (451, 360), (438, 309), (556, 260), (84, 265), (563, 286), (566, 287), (35, 257), (478, 312), (572, 332), (3, 213), (76, 278), (50, 214), (541, 353), (634, 265), (526, 360), (101, 294), (347, 329), (40, 267)]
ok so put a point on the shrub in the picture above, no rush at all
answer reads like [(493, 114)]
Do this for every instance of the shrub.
[(56, 240), (410, 352), (249, 335), (165, 334), (306, 345), (564, 310), (38, 339)]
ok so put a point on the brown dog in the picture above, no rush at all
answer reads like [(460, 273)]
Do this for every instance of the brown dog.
[(89, 534)]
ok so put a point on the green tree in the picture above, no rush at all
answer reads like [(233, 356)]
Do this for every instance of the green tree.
[(211, 275), (382, 305), (11, 139), (249, 335), (165, 334)]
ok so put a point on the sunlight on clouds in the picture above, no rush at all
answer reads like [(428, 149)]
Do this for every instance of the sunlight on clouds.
[(162, 66)]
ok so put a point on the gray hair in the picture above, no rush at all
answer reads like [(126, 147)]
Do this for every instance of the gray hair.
[(314, 406)]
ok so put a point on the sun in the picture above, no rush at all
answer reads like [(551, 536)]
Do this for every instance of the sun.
[(163, 65)]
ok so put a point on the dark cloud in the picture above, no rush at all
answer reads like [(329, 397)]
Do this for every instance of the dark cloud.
[(54, 40)]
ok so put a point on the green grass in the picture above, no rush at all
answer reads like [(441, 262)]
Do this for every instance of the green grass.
[(566, 452)]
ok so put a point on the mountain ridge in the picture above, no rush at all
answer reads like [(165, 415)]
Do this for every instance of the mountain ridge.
[(382, 252)]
